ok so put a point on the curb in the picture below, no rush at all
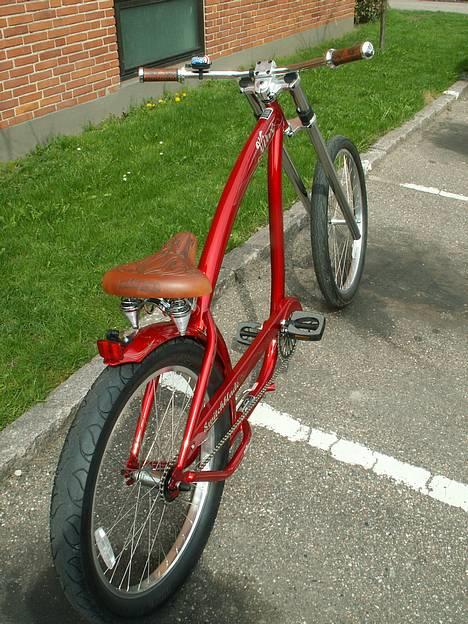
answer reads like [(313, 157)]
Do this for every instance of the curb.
[(39, 425)]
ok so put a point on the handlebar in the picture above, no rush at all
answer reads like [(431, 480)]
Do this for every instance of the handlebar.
[(332, 58)]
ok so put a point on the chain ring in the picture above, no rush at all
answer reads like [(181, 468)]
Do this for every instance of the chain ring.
[(286, 344)]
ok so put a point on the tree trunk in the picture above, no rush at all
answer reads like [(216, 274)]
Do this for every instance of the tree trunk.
[(383, 15)]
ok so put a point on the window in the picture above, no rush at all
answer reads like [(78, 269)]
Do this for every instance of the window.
[(156, 32)]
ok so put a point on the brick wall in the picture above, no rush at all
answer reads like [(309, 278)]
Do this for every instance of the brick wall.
[(54, 54), (233, 25)]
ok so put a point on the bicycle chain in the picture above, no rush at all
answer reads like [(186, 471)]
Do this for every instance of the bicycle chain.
[(286, 348)]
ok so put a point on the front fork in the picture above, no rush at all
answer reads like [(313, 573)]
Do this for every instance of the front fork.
[(309, 121)]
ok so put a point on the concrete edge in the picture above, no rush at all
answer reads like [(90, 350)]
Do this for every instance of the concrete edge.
[(36, 427)]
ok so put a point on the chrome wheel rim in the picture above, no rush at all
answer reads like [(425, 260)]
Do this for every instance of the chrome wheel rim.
[(344, 251), (146, 534)]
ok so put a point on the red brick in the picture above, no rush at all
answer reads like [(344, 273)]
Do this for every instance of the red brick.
[(48, 82), (43, 15), (53, 91), (42, 45), (50, 54), (19, 51), (45, 110), (29, 97), (53, 99), (86, 98), (71, 49), (25, 70), (5, 104), (4, 65), (78, 56), (63, 69), (22, 118), (46, 64), (12, 9), (108, 21), (88, 62), (32, 38), (14, 83), (71, 19), (81, 73), (66, 10), (39, 5), (25, 60), (27, 107), (42, 25), (89, 6), (8, 113), (10, 43), (76, 38), (19, 20), (82, 90)]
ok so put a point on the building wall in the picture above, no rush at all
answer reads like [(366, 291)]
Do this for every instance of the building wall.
[(59, 66), (54, 54), (232, 25)]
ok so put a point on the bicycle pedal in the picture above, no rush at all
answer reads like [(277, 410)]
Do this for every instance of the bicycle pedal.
[(247, 332), (306, 325)]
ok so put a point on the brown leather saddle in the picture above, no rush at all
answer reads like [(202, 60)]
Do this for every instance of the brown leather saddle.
[(170, 272)]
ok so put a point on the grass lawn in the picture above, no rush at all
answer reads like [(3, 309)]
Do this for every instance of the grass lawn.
[(73, 209)]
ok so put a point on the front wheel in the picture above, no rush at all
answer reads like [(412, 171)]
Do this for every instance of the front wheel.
[(121, 548), (338, 258)]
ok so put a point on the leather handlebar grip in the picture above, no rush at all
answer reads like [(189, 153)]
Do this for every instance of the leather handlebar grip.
[(158, 75), (347, 55)]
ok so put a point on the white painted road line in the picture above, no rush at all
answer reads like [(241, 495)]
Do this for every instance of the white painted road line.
[(445, 490), (434, 191)]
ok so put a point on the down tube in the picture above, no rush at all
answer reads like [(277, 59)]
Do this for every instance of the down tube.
[(218, 236), (275, 203)]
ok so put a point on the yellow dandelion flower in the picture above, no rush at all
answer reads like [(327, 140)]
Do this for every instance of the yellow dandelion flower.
[(184, 94), (161, 101), (177, 98)]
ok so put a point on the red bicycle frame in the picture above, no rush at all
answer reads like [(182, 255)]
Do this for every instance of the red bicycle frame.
[(266, 135)]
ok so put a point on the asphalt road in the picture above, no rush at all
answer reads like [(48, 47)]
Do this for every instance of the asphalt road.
[(431, 5), (302, 537)]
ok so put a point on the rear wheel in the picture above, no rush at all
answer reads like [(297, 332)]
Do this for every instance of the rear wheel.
[(119, 546), (338, 258)]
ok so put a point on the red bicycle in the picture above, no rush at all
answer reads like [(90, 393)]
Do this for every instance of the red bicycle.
[(142, 471)]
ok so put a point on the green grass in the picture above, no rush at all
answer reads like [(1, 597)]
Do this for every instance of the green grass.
[(67, 215)]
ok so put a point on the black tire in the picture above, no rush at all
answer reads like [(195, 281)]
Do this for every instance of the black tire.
[(338, 259), (89, 481)]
